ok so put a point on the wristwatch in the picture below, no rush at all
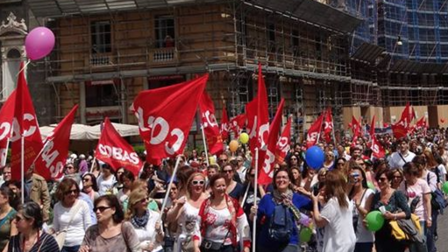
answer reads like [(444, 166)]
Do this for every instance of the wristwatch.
[(430, 218)]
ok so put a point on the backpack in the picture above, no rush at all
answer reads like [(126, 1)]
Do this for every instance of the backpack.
[(281, 224), (437, 197)]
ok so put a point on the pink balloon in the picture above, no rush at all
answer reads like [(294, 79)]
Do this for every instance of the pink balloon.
[(39, 43)]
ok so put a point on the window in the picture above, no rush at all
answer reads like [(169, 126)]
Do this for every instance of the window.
[(102, 93), (101, 37), (165, 33)]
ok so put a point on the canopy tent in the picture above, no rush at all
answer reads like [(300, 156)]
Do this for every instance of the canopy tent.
[(85, 132)]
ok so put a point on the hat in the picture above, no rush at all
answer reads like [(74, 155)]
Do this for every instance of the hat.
[(82, 156), (73, 156)]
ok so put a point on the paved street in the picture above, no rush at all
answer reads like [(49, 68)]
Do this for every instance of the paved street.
[(442, 230)]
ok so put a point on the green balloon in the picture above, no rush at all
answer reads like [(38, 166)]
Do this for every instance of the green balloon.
[(370, 185), (375, 221), (305, 234), (445, 187)]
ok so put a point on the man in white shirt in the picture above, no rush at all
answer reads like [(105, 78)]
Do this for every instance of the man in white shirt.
[(402, 155)]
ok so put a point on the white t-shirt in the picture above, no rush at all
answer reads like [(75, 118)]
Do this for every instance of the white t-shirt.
[(442, 173), (395, 161), (148, 233), (81, 221), (339, 234), (105, 186), (218, 224), (362, 234), (420, 188), (189, 220)]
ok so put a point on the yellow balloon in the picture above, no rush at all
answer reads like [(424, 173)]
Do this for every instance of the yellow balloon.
[(244, 138), (233, 146)]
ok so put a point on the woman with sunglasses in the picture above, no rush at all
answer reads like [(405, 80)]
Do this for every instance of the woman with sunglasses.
[(89, 186), (31, 237), (110, 234), (234, 189), (7, 214), (397, 178), (185, 211), (70, 215), (361, 196), (249, 197), (396, 207), (145, 222)]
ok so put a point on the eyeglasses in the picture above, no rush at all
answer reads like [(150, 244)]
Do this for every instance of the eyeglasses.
[(18, 218), (227, 171), (144, 200), (223, 160), (382, 179), (75, 191), (101, 209), (198, 182)]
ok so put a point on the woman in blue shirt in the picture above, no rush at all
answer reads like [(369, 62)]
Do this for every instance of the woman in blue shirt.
[(272, 204)]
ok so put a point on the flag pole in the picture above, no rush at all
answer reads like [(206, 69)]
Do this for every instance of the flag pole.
[(167, 193), (205, 144), (6, 153), (92, 165), (22, 167), (254, 224)]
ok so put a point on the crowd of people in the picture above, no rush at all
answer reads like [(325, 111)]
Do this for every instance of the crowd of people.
[(213, 206)]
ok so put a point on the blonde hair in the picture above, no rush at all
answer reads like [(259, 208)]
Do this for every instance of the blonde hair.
[(190, 180), (134, 198)]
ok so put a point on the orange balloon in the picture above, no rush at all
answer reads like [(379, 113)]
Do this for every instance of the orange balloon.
[(442, 120), (233, 145)]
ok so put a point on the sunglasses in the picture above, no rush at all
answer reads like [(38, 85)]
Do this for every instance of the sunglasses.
[(18, 218), (75, 191), (223, 160), (144, 200), (198, 182), (227, 171), (100, 208)]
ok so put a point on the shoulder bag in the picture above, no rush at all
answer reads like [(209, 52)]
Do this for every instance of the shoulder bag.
[(60, 235)]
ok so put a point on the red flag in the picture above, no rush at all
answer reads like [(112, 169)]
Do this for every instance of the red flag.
[(211, 128), (265, 175), (24, 124), (52, 158), (115, 151), (314, 131), (407, 115), (237, 123), (283, 146), (421, 123), (165, 116), (258, 119), (328, 125), (400, 129), (224, 124), (6, 117), (377, 148)]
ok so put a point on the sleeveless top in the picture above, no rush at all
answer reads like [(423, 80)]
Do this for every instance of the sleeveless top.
[(189, 219), (5, 228)]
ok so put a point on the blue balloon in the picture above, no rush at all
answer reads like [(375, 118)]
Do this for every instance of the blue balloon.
[(315, 157)]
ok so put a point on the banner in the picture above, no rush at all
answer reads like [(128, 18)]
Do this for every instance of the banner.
[(53, 156), (377, 148), (224, 124), (24, 124), (115, 151), (165, 116), (314, 131), (211, 128), (328, 126), (6, 117), (283, 145), (266, 174)]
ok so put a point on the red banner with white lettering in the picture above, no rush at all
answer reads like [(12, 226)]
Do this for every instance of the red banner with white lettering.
[(224, 124), (52, 158), (283, 145), (377, 148), (237, 124), (115, 151), (267, 172), (6, 117), (328, 125), (24, 124), (211, 127), (258, 119), (314, 131), (165, 116)]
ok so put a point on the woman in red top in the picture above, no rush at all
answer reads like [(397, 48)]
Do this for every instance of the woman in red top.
[(220, 217)]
